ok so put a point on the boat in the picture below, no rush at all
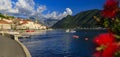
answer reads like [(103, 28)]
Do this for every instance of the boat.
[(70, 31), (67, 30), (13, 32), (29, 31), (75, 36), (25, 36)]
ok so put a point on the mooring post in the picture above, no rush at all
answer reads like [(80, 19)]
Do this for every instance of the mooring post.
[(16, 37)]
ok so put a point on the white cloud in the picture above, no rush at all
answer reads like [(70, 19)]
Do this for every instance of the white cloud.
[(25, 7), (39, 10), (69, 11), (28, 8), (54, 14), (6, 6)]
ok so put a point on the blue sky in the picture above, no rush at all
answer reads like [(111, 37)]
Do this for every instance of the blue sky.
[(75, 5), (48, 9)]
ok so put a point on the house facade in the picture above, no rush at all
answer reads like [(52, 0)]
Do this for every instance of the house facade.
[(5, 25), (19, 24), (27, 24)]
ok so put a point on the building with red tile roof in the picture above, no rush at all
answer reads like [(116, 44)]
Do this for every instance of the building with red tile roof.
[(5, 25)]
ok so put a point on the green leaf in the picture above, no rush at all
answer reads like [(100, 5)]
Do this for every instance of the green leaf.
[(117, 36)]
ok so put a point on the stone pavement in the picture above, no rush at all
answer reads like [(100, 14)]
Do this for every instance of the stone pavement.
[(10, 48)]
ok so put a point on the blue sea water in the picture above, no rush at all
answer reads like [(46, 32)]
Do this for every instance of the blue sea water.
[(58, 43)]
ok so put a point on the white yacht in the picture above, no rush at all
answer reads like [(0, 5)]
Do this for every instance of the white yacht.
[(70, 31)]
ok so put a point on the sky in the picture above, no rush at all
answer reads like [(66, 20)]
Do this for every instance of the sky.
[(48, 9)]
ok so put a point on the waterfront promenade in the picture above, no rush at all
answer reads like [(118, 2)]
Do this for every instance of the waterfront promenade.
[(10, 48)]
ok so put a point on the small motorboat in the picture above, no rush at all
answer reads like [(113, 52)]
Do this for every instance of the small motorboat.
[(75, 36), (71, 31), (86, 39), (30, 31)]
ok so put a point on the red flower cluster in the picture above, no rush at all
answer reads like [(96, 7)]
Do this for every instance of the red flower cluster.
[(107, 44), (97, 54), (104, 39), (110, 50), (110, 8), (110, 46)]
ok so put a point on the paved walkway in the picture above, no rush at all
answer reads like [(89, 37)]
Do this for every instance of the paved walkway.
[(10, 48)]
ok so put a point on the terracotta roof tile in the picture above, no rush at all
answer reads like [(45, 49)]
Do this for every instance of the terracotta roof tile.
[(4, 22)]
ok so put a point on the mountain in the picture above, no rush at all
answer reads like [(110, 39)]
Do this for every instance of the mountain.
[(50, 22), (82, 19), (44, 21), (5, 16)]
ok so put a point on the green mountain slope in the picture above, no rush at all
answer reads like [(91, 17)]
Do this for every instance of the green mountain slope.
[(7, 17), (82, 19)]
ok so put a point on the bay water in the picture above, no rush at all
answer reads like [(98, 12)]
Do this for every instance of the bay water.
[(59, 43)]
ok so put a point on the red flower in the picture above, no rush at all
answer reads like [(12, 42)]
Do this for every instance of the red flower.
[(109, 14), (97, 54), (110, 50), (110, 8), (104, 39)]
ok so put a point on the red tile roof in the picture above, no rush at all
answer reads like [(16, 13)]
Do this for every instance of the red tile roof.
[(4, 22)]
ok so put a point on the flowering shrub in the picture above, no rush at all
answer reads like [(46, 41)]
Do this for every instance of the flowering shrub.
[(110, 9), (108, 44), (104, 39)]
